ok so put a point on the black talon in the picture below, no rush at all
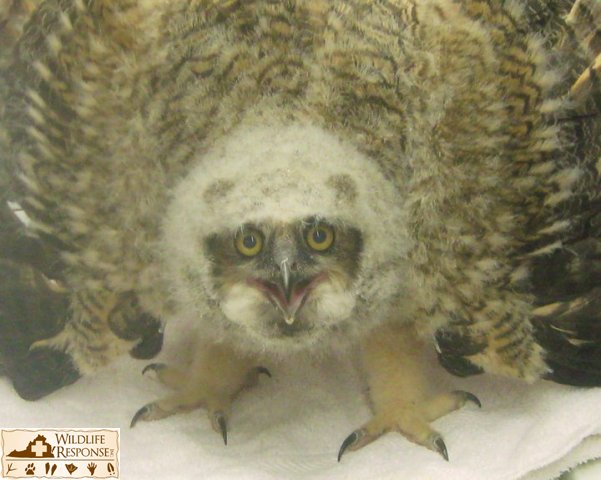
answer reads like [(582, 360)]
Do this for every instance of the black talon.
[(349, 441), (139, 414), (441, 448), (222, 426), (154, 367), (470, 397), (264, 371)]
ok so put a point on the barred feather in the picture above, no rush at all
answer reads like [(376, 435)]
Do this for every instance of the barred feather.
[(564, 280)]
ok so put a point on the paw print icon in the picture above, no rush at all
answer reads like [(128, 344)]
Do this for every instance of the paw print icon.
[(30, 469)]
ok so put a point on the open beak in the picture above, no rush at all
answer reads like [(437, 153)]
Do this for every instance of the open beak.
[(289, 293)]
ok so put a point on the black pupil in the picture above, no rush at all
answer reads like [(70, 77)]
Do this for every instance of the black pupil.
[(249, 241), (319, 235)]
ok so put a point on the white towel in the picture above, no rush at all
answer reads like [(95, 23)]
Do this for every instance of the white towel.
[(291, 426)]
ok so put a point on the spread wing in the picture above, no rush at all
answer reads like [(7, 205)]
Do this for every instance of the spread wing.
[(564, 278), (14, 14)]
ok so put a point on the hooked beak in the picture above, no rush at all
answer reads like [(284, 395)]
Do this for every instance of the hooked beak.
[(285, 271), (292, 299), (288, 294)]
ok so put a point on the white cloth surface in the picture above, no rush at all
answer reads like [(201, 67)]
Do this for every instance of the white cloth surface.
[(587, 471), (575, 465), (291, 426)]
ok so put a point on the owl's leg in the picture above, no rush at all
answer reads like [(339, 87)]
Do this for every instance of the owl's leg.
[(398, 390), (87, 336), (215, 378), (99, 327)]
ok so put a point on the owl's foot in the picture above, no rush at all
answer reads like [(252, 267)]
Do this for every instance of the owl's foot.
[(151, 339), (50, 335), (179, 404), (213, 381), (410, 420), (33, 307), (101, 326), (392, 359)]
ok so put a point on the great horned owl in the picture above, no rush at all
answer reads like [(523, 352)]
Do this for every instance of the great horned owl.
[(381, 176)]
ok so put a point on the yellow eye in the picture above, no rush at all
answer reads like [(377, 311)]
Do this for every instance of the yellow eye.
[(320, 237), (249, 242)]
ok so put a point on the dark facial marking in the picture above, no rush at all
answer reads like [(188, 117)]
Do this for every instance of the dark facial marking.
[(229, 266), (344, 186), (348, 242), (217, 190), (346, 250)]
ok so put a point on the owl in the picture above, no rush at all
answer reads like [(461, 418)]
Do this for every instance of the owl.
[(373, 177)]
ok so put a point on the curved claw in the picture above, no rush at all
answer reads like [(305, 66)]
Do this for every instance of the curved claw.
[(440, 447), (154, 367), (469, 397), (219, 421), (145, 410), (350, 441), (264, 371)]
